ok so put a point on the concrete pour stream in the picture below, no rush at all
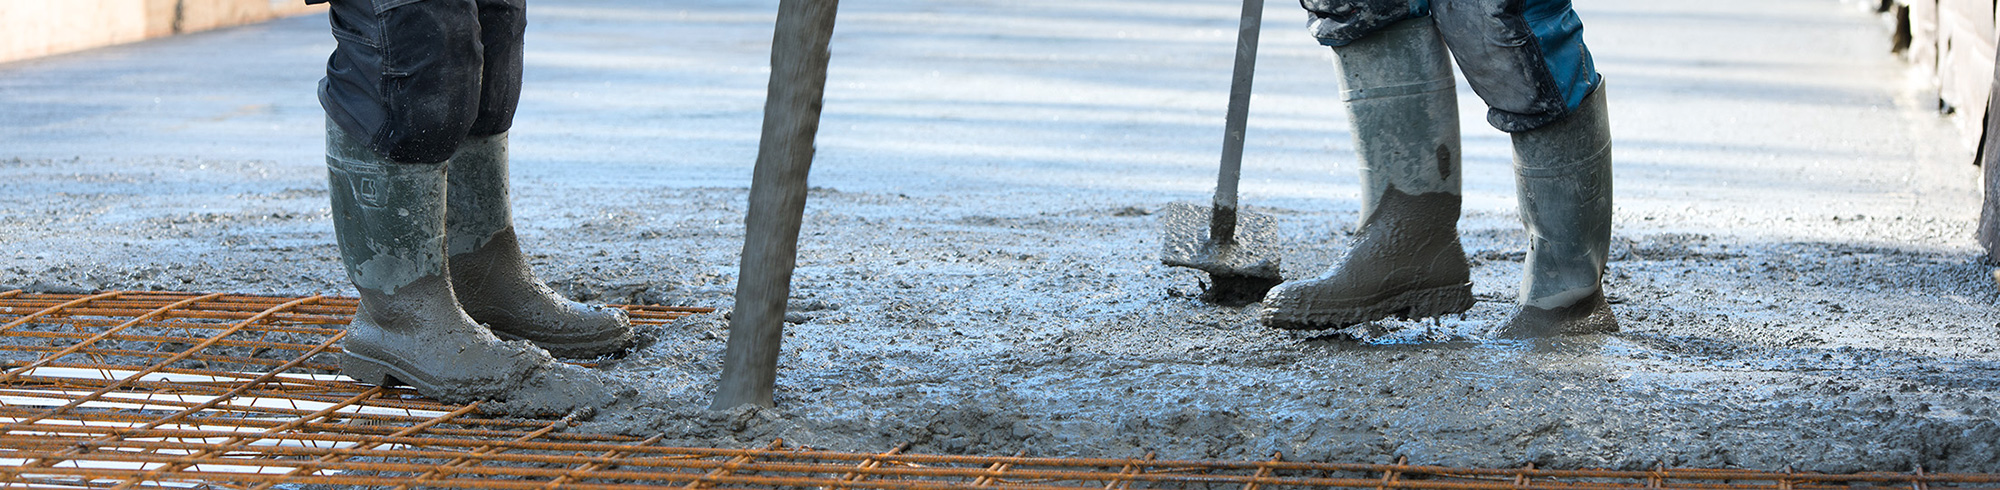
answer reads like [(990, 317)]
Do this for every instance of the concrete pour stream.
[(1793, 266)]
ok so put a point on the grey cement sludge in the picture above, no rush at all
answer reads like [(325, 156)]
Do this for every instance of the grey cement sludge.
[(1792, 257)]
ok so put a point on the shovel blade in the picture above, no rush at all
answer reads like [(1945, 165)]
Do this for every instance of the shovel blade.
[(1240, 270)]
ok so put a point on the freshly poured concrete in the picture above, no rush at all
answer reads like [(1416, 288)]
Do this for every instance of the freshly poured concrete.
[(1792, 256)]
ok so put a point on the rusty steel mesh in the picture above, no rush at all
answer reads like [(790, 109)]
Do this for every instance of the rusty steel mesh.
[(180, 390)]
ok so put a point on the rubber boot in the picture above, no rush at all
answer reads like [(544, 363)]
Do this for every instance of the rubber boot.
[(1564, 173), (389, 219), (1406, 260), (492, 278)]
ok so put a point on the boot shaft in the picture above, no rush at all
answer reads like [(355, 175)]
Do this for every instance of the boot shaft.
[(1398, 90), (1563, 171), (478, 206), (388, 217)]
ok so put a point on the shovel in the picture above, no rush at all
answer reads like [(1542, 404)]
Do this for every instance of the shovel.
[(777, 202), (1231, 247)]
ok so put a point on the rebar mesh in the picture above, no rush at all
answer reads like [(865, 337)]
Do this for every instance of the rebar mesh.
[(179, 390)]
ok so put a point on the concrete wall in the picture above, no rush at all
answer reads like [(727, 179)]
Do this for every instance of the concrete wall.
[(31, 28)]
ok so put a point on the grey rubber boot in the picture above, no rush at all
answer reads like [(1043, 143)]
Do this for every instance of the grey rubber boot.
[(491, 277), (409, 330), (1564, 173), (1406, 260)]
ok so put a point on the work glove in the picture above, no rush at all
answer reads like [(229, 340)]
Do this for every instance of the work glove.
[(1338, 22)]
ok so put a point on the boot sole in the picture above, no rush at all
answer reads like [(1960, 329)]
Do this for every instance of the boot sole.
[(1409, 305), (380, 373)]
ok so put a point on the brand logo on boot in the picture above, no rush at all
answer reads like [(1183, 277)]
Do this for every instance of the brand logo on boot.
[(365, 181), (370, 191)]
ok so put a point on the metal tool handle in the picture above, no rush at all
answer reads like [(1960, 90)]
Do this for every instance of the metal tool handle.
[(1222, 224), (777, 202)]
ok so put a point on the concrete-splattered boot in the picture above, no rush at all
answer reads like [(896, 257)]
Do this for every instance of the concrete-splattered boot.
[(389, 219), (1564, 173), (491, 277), (1406, 260)]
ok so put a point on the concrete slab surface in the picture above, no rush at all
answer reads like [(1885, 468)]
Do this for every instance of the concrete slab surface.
[(1794, 265)]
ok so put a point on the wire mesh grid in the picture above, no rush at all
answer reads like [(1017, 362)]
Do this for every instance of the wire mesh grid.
[(181, 390)]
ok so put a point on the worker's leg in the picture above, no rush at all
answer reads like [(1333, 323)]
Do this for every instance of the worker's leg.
[(1406, 261), (1563, 171), (1527, 60), (399, 95), (405, 80), (501, 25), (488, 272), (491, 276)]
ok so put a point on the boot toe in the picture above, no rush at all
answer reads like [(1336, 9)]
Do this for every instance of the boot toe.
[(572, 330), (513, 377), (1313, 304), (1287, 307), (1326, 303), (451, 366)]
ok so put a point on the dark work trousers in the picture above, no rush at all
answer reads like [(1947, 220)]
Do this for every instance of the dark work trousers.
[(1525, 58), (416, 77)]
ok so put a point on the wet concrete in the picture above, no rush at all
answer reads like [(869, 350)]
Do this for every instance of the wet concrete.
[(1792, 259)]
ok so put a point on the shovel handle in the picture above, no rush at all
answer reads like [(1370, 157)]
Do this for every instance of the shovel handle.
[(777, 202), (1222, 225)]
